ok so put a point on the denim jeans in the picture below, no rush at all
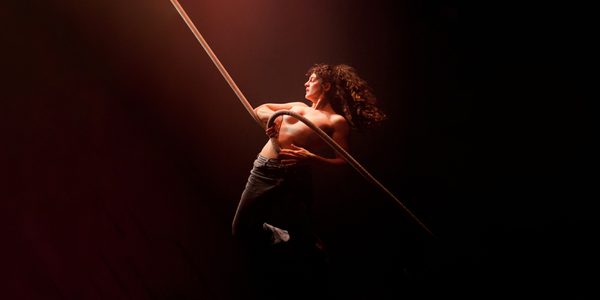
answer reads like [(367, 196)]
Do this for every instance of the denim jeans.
[(278, 195)]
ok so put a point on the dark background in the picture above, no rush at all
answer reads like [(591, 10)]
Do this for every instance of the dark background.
[(124, 152)]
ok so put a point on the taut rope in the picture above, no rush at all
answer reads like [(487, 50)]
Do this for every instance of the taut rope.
[(346, 157), (319, 132), (216, 61)]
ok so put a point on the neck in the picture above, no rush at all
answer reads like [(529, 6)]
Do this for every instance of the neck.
[(321, 104)]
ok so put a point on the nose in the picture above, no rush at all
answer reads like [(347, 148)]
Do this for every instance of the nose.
[(306, 84)]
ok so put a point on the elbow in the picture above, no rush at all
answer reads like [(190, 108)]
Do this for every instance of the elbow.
[(338, 161), (261, 113), (341, 162)]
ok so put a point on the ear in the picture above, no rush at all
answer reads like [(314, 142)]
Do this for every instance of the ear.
[(326, 86)]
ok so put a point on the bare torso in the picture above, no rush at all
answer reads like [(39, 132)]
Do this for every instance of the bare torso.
[(293, 131)]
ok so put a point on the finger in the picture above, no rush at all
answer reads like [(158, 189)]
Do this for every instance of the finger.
[(288, 151), (289, 155), (286, 154)]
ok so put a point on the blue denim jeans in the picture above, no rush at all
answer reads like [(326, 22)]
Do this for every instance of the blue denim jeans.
[(278, 195)]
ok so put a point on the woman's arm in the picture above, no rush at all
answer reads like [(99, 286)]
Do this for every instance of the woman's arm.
[(265, 111), (340, 136)]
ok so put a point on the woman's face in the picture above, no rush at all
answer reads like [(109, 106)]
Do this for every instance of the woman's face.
[(314, 88)]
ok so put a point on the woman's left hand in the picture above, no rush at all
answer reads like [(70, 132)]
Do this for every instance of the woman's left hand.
[(295, 154)]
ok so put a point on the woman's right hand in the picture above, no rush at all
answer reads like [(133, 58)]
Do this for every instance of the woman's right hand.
[(273, 131)]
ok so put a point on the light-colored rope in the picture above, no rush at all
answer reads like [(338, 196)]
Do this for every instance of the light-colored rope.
[(342, 152), (320, 132), (216, 61)]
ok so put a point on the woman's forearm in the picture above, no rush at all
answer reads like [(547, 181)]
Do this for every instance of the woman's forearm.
[(263, 112)]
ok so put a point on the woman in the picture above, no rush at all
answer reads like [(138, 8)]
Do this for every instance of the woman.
[(273, 215)]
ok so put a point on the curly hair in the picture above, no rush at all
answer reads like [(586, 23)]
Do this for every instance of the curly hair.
[(349, 95)]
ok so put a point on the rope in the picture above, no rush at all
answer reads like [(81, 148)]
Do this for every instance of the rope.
[(217, 63), (319, 132), (341, 151)]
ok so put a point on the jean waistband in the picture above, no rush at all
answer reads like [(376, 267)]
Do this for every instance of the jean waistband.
[(269, 162), (276, 163)]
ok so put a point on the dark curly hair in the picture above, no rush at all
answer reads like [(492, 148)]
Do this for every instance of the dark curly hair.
[(349, 95)]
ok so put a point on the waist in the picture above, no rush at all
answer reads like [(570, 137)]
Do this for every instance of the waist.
[(276, 163)]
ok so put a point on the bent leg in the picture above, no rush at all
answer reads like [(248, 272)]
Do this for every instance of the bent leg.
[(253, 207)]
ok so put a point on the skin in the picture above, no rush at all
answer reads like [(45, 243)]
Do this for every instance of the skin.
[(298, 142)]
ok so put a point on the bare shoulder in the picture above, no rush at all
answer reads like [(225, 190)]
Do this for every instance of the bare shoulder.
[(339, 122), (298, 107), (297, 104), (280, 106)]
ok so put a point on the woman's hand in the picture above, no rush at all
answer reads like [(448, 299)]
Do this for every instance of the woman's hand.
[(295, 154), (272, 131)]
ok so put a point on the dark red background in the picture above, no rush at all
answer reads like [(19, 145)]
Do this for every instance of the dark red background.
[(124, 151)]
